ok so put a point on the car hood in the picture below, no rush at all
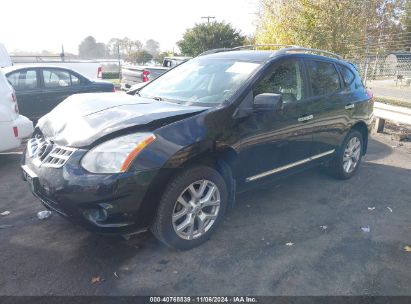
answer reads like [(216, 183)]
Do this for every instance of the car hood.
[(82, 119)]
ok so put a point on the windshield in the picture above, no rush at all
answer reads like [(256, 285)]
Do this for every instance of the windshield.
[(201, 80)]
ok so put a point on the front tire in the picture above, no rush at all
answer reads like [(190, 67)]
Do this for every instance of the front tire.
[(348, 156), (192, 206)]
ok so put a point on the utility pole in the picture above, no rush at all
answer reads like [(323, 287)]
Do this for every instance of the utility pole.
[(119, 60), (208, 18), (62, 53), (367, 59)]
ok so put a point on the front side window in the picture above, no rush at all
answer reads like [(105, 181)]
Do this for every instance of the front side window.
[(23, 80), (54, 78), (201, 80), (324, 77), (286, 79)]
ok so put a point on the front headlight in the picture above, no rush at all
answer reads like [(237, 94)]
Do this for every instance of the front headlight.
[(116, 155)]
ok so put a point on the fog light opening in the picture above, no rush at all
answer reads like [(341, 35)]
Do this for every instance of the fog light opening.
[(96, 215)]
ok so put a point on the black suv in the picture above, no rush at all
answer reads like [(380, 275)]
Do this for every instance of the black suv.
[(172, 157)]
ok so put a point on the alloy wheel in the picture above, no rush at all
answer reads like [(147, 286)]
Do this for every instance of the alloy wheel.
[(352, 154), (196, 209)]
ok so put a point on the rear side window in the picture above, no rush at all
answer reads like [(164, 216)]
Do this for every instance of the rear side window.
[(23, 80), (55, 78), (324, 77), (75, 80), (346, 74)]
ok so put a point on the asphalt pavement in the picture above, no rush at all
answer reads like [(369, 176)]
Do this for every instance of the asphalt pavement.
[(320, 219)]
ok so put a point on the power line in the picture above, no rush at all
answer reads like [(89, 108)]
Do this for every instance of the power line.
[(208, 18)]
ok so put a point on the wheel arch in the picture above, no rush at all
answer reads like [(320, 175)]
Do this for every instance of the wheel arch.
[(362, 128), (223, 162)]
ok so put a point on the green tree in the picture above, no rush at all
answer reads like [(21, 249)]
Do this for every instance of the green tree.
[(206, 36), (340, 26), (113, 47), (160, 56), (140, 57), (90, 48), (152, 46), (407, 24), (126, 46)]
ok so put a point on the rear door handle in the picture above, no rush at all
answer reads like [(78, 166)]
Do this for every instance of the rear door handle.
[(349, 106), (305, 118)]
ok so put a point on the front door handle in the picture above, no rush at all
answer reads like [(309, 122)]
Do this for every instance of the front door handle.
[(349, 106), (305, 118)]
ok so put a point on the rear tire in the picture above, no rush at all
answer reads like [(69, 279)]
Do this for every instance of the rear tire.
[(191, 207), (348, 157)]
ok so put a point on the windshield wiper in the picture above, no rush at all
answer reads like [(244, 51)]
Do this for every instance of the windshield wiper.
[(158, 98)]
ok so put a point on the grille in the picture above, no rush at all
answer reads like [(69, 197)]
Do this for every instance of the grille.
[(46, 154)]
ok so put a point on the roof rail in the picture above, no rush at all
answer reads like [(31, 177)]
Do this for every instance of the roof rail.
[(283, 49), (253, 46), (212, 51), (306, 50)]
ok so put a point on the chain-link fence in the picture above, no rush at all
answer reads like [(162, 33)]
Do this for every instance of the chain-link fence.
[(384, 57)]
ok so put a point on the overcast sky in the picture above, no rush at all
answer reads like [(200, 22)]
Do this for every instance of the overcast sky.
[(36, 25)]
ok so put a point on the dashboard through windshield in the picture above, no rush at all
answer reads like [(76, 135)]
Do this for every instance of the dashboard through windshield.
[(200, 80)]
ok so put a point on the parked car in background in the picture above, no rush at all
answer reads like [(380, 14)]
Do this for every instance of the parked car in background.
[(90, 69), (40, 88), (134, 74), (13, 127), (172, 157), (171, 62)]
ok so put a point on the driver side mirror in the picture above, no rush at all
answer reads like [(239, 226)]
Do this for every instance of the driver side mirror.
[(268, 102)]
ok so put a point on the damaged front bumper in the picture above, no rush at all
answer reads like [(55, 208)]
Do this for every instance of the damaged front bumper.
[(106, 203)]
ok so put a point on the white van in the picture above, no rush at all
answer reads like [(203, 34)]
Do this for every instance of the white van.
[(13, 127)]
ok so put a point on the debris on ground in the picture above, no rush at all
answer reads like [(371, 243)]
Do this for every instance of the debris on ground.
[(126, 237), (289, 244), (407, 248), (324, 227), (371, 208), (5, 213), (116, 275), (366, 229), (389, 209), (175, 271), (5, 226), (95, 280), (43, 214), (262, 239)]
